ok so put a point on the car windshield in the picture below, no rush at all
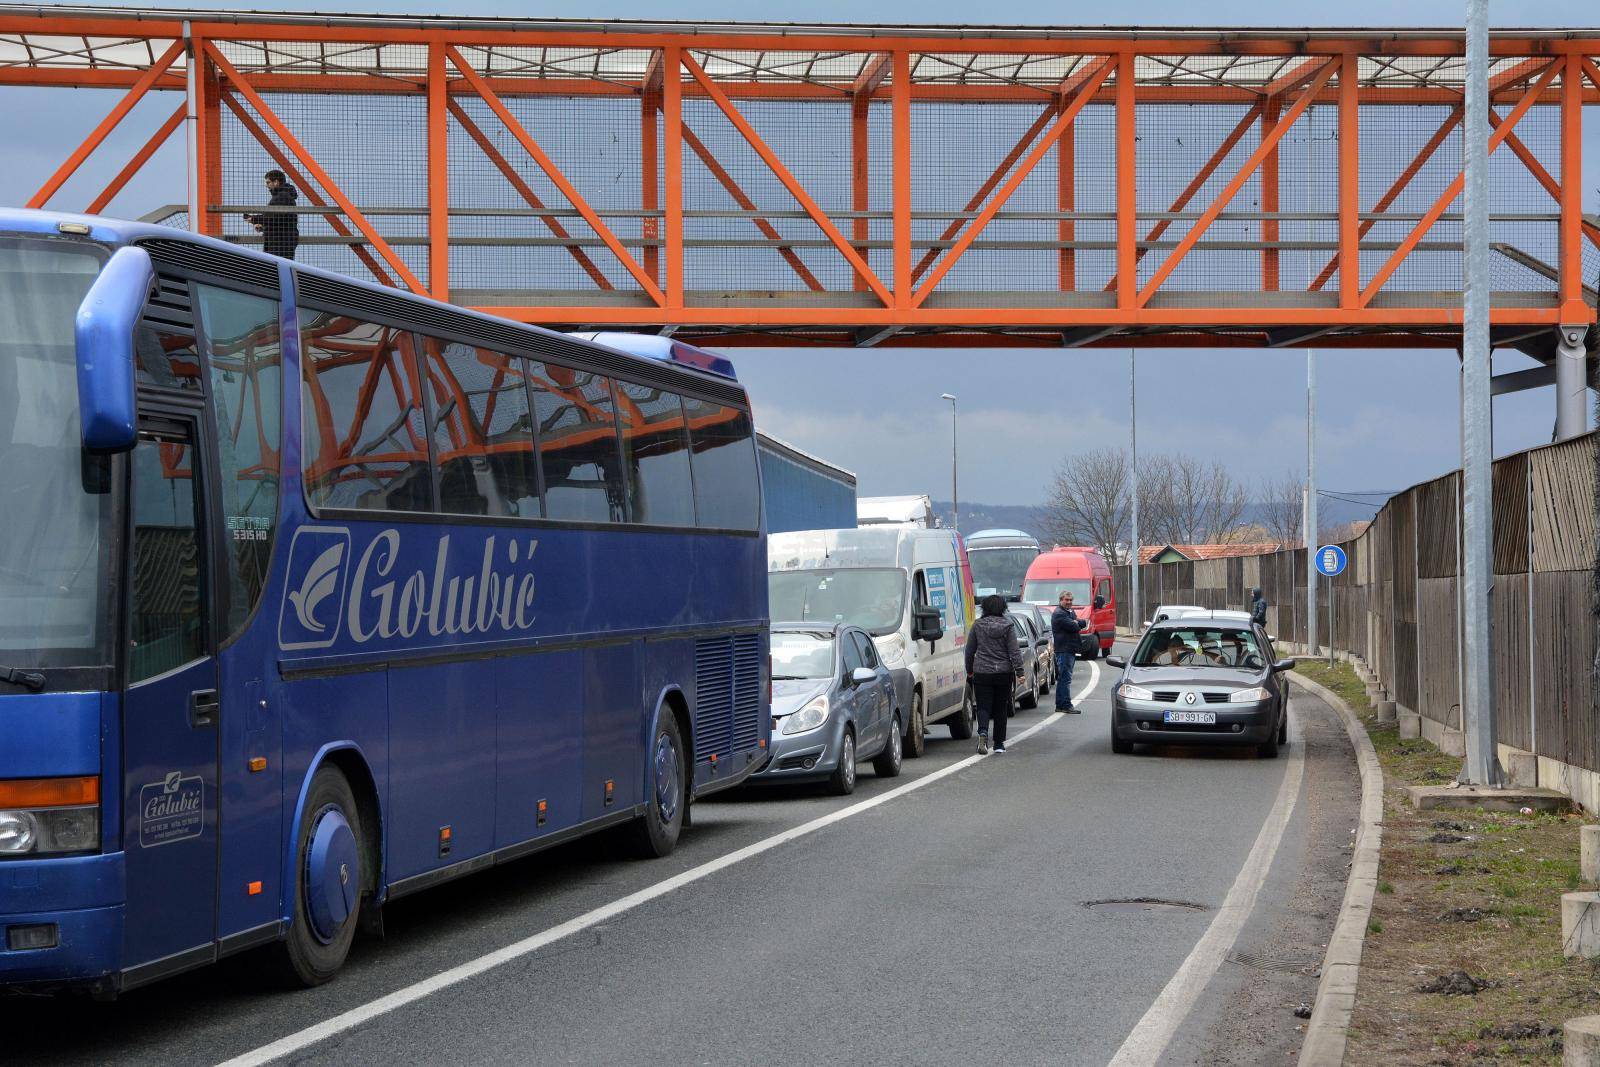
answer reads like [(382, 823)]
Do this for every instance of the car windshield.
[(55, 499), (1200, 646), (797, 656), (872, 598), (1049, 590), (999, 570)]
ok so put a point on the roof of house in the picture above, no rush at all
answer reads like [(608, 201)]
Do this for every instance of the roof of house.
[(1197, 552)]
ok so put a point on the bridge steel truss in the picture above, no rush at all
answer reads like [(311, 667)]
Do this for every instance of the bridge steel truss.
[(857, 185)]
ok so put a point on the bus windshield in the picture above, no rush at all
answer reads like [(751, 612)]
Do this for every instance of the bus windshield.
[(54, 498), (1000, 570), (872, 598)]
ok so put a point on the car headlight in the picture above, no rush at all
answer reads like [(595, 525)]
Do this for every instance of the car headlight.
[(813, 715), (1129, 691), (892, 650), (47, 830), (1253, 695)]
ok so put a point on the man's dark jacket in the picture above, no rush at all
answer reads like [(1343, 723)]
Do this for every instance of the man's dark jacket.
[(280, 230), (1258, 611), (1065, 626)]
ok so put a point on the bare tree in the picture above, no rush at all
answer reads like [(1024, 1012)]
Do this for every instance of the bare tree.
[(1191, 501), (1088, 503), (1283, 507)]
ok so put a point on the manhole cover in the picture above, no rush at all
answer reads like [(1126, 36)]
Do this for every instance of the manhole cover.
[(1274, 963), (1143, 904)]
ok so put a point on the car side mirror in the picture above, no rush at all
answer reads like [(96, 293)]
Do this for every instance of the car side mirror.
[(926, 624), (1273, 638), (103, 338), (1116, 661), (1283, 665), (863, 676)]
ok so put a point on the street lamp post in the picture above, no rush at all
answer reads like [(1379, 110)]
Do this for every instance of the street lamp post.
[(955, 506)]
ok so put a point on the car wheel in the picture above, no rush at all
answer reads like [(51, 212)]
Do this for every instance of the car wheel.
[(962, 722), (1268, 749), (916, 741), (327, 888), (843, 780), (1044, 682), (887, 762), (1030, 699), (666, 803), (1118, 745)]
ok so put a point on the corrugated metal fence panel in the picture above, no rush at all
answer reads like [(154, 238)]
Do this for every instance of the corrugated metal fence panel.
[(1512, 641), (1211, 583), (1251, 567), (1121, 579), (1562, 482), (1403, 543), (1237, 592), (1563, 635), (1511, 514), (1436, 528), (1439, 690)]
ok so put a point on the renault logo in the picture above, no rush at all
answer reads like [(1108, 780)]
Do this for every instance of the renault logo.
[(1188, 698)]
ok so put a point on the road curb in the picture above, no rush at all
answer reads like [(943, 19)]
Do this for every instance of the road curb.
[(1328, 1032)]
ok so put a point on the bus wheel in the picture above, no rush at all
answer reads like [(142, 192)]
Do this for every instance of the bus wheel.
[(666, 801), (327, 884), (916, 732)]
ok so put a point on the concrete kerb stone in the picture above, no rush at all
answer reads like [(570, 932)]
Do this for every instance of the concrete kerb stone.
[(1328, 1033), (1589, 853), (1581, 1042), (1580, 925)]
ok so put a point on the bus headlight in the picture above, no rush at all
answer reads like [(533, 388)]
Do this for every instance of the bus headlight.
[(49, 830), (809, 717)]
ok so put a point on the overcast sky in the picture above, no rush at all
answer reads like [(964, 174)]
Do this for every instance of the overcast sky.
[(1386, 418)]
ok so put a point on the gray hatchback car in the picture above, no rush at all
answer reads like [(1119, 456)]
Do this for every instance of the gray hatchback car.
[(833, 702), (1201, 680)]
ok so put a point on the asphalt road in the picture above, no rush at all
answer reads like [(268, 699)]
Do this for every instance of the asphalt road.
[(946, 924)]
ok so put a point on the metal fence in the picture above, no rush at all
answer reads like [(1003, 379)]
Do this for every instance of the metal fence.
[(1397, 604)]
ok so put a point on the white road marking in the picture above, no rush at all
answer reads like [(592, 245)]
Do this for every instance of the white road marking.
[(1153, 1032), (462, 972)]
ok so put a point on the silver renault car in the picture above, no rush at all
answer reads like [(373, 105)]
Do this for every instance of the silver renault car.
[(833, 702), (1201, 680)]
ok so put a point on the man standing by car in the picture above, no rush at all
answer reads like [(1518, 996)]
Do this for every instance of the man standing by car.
[(1064, 630), (1258, 608)]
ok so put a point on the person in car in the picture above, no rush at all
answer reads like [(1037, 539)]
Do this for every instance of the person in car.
[(1176, 653), (1238, 652), (994, 663), (1064, 630)]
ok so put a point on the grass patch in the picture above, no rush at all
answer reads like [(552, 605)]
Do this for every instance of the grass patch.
[(1488, 904)]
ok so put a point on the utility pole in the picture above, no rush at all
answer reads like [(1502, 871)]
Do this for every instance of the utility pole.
[(1482, 767), (1311, 502), (1136, 616), (955, 500)]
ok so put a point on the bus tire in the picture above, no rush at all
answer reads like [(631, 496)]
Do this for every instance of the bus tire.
[(326, 893), (917, 729), (886, 764), (666, 802), (962, 723)]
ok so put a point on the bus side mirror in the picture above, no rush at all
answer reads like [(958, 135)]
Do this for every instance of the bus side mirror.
[(926, 624), (103, 335)]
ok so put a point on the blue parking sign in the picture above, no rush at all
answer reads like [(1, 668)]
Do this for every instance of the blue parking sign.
[(1331, 560)]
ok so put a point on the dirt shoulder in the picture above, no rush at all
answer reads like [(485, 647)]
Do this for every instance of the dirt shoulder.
[(1462, 963)]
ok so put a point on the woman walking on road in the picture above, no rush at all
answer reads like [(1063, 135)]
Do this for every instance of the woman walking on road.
[(994, 665)]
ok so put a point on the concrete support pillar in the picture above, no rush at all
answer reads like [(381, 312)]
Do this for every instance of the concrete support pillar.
[(1522, 770), (1580, 1045), (1572, 408), (1387, 711), (1580, 925), (1589, 853), (1410, 725)]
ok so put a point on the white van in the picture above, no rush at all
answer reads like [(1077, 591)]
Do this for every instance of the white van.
[(907, 588)]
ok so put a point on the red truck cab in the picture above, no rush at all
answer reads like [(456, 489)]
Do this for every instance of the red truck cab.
[(1085, 574)]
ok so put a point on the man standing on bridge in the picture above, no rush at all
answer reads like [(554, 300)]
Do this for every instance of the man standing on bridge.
[(280, 230), (1065, 627), (1258, 608)]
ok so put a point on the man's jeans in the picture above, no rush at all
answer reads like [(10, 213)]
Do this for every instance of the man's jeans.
[(1064, 662)]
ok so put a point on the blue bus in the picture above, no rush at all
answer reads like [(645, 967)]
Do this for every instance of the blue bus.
[(314, 593)]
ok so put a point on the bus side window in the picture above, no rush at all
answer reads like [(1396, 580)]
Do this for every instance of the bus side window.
[(727, 493), (482, 431), (579, 454), (655, 451), (167, 623), (165, 356), (246, 367), (365, 438)]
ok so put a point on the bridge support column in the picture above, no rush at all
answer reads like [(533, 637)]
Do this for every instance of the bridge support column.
[(1572, 409)]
